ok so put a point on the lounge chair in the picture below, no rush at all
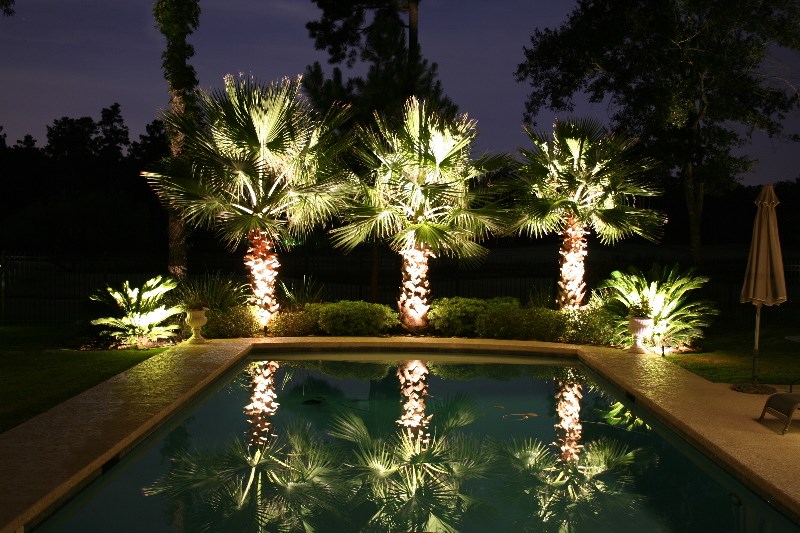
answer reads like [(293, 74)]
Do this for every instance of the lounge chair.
[(782, 405)]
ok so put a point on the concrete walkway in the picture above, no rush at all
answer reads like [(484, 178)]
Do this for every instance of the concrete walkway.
[(46, 460)]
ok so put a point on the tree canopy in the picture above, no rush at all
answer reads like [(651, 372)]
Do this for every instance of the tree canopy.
[(373, 33), (7, 7), (690, 78)]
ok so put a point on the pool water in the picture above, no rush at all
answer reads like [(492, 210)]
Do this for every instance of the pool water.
[(421, 444)]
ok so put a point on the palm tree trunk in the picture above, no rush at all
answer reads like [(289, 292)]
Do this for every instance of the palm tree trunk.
[(568, 429), (571, 287), (177, 258), (262, 261), (414, 299)]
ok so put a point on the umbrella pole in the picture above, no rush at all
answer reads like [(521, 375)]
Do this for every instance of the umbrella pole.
[(755, 345)]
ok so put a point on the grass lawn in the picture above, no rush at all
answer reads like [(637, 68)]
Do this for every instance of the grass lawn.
[(727, 354), (37, 372)]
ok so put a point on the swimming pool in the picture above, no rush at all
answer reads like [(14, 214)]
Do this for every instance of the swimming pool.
[(472, 447)]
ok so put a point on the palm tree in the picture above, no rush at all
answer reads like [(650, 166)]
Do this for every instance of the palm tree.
[(258, 163), (419, 195), (582, 179)]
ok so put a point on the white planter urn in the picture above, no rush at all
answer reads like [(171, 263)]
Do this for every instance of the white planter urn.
[(638, 327), (196, 319)]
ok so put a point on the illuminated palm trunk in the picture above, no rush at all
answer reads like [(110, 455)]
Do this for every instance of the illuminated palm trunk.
[(568, 429), (413, 376), (262, 401), (414, 299), (263, 263), (571, 288)]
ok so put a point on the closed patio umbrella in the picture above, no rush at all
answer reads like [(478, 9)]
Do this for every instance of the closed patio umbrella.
[(764, 281)]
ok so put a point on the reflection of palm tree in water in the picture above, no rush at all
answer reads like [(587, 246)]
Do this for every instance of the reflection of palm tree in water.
[(289, 482), (413, 376), (568, 428), (262, 404)]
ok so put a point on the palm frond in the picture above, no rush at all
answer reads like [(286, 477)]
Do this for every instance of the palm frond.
[(255, 156)]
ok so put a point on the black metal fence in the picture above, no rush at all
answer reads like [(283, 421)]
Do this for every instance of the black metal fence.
[(57, 289)]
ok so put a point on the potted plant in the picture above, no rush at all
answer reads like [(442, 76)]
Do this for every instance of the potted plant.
[(640, 320), (195, 305)]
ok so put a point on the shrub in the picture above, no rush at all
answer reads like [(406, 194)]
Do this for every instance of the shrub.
[(502, 318), (544, 324), (455, 317), (225, 298), (294, 324), (143, 313), (356, 318), (295, 296), (677, 320), (593, 324), (232, 323), (215, 291)]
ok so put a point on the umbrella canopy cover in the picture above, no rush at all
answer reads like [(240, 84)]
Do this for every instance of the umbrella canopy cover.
[(764, 281)]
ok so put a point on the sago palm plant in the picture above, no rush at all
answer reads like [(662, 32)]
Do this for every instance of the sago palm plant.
[(580, 179), (678, 319), (418, 193), (258, 163), (143, 312)]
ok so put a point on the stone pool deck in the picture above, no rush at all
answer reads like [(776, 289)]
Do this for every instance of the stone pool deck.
[(47, 459)]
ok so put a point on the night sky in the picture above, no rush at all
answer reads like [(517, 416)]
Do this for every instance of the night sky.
[(75, 58)]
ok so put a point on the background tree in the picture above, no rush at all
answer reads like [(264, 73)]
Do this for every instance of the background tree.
[(152, 146), (348, 29), (112, 135), (579, 180), (688, 77), (79, 192), (176, 20), (7, 7), (374, 34)]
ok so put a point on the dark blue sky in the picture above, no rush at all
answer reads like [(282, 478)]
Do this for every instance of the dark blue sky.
[(74, 58)]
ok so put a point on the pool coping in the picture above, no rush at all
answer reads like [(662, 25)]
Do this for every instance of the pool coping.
[(50, 457)]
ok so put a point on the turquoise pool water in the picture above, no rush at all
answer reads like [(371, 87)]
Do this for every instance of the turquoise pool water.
[(421, 444)]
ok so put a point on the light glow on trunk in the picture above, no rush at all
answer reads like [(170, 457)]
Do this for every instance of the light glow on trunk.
[(414, 301), (262, 261), (571, 287)]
